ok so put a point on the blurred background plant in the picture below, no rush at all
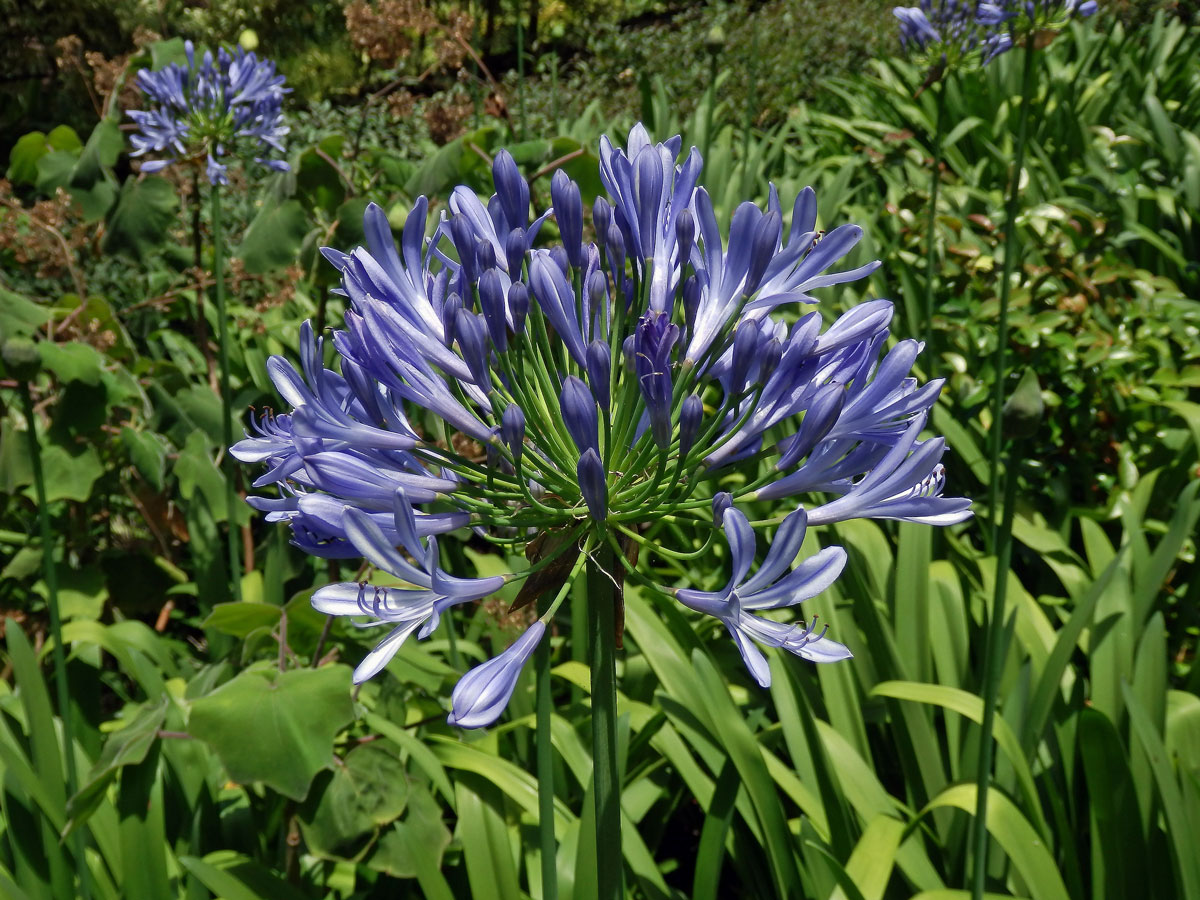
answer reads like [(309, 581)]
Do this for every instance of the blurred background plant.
[(863, 774)]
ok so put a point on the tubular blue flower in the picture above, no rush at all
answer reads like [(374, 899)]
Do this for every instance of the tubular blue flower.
[(473, 372), (226, 107), (772, 587), (482, 694), (579, 413)]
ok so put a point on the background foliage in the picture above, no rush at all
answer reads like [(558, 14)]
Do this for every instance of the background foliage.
[(219, 748)]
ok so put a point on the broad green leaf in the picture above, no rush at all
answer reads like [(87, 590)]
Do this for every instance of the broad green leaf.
[(231, 876), (241, 618), (1015, 835), (103, 148), (20, 316), (69, 476), (970, 706), (1118, 848), (274, 237), (369, 789), (1178, 826), (74, 361), (276, 727), (415, 842), (147, 454), (142, 219), (870, 865), (23, 159), (125, 747)]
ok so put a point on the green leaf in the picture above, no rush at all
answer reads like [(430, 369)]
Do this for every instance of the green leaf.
[(20, 316), (147, 454), (239, 619), (1015, 835), (125, 747), (74, 361), (368, 790), (54, 170), (414, 843), (1118, 848), (274, 237), (103, 148), (164, 53), (276, 727), (23, 160), (69, 476), (1178, 826), (870, 865), (142, 218)]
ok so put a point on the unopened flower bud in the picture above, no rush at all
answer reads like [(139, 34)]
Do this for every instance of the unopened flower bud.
[(482, 694), (518, 305), (592, 484)]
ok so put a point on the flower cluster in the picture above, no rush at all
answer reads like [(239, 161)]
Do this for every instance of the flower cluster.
[(568, 397), (224, 107), (946, 31)]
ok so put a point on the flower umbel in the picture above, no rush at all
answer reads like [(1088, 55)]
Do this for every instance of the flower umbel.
[(666, 371), (221, 108)]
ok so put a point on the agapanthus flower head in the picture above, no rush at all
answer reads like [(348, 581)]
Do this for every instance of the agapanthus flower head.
[(1018, 18), (219, 108), (952, 33), (573, 398)]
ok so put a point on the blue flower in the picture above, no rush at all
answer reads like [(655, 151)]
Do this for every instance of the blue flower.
[(482, 694), (223, 107), (588, 390), (772, 587)]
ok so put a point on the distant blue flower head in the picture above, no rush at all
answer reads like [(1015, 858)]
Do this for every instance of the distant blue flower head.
[(1017, 18), (220, 109), (581, 394)]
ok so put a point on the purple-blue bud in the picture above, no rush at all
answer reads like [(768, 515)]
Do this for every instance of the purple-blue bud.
[(485, 255), (511, 188), (601, 217), (464, 243), (745, 347), (450, 310), (691, 302), (691, 414), (512, 430), (820, 417), (592, 484), (491, 301), (770, 354), (615, 243), (762, 250), (568, 212), (579, 413), (559, 257), (685, 235), (518, 305), (514, 251), (629, 351), (472, 342), (599, 367), (482, 694), (597, 290), (721, 502)]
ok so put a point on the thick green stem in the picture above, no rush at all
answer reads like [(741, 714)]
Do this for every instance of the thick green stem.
[(935, 180), (999, 363), (60, 659), (545, 766), (602, 612), (231, 496), (993, 668)]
